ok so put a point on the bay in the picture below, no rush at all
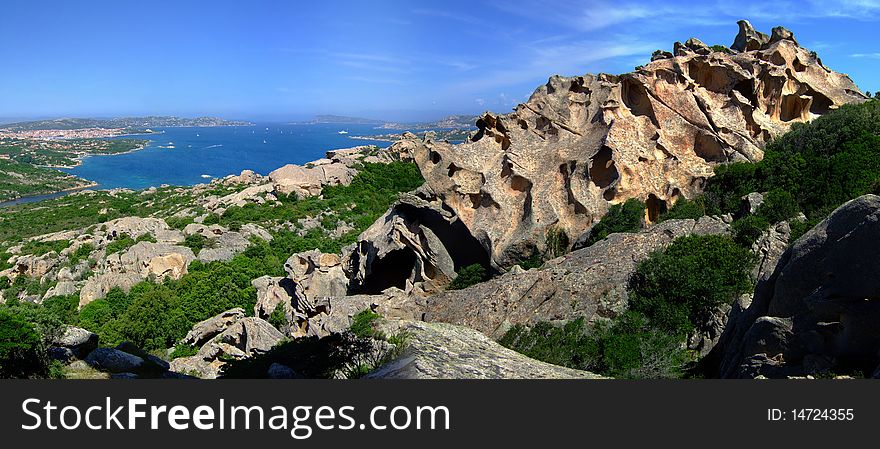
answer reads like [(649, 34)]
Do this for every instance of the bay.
[(188, 156)]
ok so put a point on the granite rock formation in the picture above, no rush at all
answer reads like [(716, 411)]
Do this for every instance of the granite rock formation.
[(583, 143)]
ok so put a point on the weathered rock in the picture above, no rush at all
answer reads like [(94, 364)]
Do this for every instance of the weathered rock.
[(590, 283), (208, 329), (97, 286), (251, 335), (308, 181), (114, 361), (444, 351), (819, 308), (748, 39), (135, 227), (751, 203), (79, 341), (417, 242), (581, 144), (62, 288), (317, 273)]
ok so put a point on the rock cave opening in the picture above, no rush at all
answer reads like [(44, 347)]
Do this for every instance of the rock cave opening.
[(602, 169)]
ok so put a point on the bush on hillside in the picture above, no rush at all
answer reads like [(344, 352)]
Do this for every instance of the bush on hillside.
[(626, 217), (678, 288), (468, 276)]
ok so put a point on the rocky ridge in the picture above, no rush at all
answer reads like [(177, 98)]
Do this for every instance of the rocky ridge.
[(581, 144)]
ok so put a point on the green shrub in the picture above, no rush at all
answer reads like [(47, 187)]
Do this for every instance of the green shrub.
[(678, 288), (363, 325), (182, 350), (121, 243), (468, 276), (557, 242), (748, 229), (778, 205), (685, 208), (626, 347), (626, 217), (82, 252), (39, 248), (278, 319), (570, 345), (195, 242), (211, 219), (22, 354)]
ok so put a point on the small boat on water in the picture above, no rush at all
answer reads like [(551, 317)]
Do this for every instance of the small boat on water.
[(342, 132), (264, 141)]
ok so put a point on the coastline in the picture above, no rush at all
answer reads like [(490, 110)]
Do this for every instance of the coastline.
[(45, 196)]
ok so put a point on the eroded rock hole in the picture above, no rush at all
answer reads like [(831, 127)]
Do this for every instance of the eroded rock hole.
[(393, 270), (635, 97), (602, 169), (655, 208), (746, 87), (709, 148)]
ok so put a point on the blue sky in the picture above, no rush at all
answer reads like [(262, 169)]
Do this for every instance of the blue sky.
[(394, 60)]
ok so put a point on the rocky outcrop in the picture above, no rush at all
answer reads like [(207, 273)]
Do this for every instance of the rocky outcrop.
[(816, 311), (417, 243), (581, 144), (444, 351), (144, 260), (590, 283), (227, 335)]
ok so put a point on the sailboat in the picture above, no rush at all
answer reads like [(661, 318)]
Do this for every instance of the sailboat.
[(343, 132)]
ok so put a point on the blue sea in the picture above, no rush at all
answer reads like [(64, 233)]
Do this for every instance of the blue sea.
[(199, 154)]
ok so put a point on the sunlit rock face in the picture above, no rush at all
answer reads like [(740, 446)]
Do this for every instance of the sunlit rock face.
[(581, 144)]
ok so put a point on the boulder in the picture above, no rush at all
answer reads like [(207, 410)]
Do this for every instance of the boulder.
[(444, 351), (78, 340), (279, 371), (135, 227), (97, 286), (208, 329), (817, 310), (309, 180), (114, 361)]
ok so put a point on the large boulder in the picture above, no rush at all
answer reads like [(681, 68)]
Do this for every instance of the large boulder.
[(205, 330), (818, 309), (78, 340), (589, 283), (418, 242), (581, 144), (309, 180), (444, 351), (114, 361)]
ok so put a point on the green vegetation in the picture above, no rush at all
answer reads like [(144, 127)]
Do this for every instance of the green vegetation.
[(156, 316), (19, 179), (22, 353), (672, 293), (557, 242), (82, 252), (626, 217), (363, 325), (678, 288), (39, 248), (685, 208), (468, 276)]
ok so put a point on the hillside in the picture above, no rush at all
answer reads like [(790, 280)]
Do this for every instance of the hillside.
[(712, 214)]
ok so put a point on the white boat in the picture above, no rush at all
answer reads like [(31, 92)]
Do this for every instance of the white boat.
[(343, 132), (264, 141)]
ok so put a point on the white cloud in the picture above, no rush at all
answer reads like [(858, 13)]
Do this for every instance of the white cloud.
[(866, 55)]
